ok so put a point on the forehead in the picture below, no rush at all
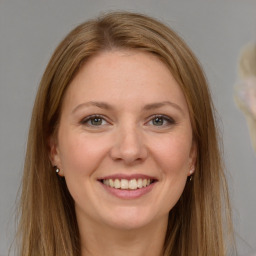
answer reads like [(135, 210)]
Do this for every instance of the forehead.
[(124, 75)]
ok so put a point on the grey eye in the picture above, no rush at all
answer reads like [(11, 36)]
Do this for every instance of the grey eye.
[(95, 121), (158, 121), (161, 120)]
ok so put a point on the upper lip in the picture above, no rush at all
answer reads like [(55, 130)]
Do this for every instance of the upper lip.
[(127, 176)]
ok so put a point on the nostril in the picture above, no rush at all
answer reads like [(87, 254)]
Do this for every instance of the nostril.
[(128, 147)]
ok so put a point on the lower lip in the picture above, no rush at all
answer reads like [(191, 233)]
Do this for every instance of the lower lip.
[(129, 193)]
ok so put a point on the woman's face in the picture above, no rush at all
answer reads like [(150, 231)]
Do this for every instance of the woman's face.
[(124, 143)]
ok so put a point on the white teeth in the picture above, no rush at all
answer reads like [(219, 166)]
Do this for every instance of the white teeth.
[(106, 182), (127, 184), (124, 184), (139, 183), (111, 183), (117, 183), (133, 184)]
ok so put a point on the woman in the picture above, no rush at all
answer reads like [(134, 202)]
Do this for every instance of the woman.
[(124, 117), (245, 94), (245, 90)]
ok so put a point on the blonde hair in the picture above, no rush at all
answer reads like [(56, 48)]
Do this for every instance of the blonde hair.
[(245, 90), (247, 61), (47, 223)]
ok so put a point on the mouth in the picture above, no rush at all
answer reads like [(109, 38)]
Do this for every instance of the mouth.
[(127, 184)]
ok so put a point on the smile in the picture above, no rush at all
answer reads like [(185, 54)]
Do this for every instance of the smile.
[(131, 184)]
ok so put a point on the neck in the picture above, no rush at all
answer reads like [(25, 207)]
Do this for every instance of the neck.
[(98, 240)]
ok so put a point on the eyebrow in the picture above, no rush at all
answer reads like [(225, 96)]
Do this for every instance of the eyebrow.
[(98, 104), (162, 104), (106, 106)]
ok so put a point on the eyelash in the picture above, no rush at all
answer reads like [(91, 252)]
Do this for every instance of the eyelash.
[(170, 121), (90, 118)]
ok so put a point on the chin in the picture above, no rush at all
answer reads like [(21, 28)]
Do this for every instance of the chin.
[(129, 219)]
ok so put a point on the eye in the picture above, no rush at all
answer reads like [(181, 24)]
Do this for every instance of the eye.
[(94, 120), (161, 120)]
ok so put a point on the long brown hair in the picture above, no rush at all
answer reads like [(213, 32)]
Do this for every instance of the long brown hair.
[(200, 219)]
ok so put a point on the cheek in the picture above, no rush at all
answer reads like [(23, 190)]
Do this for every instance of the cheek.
[(173, 155), (81, 154), (173, 160)]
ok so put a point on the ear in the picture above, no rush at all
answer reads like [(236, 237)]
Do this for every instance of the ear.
[(54, 153), (192, 158)]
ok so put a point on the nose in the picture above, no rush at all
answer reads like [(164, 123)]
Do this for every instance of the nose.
[(129, 146)]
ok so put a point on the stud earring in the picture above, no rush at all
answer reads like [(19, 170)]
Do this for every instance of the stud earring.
[(57, 170), (190, 177)]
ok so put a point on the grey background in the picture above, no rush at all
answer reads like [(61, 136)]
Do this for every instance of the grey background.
[(215, 30)]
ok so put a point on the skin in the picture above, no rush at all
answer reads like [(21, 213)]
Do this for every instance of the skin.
[(127, 139)]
